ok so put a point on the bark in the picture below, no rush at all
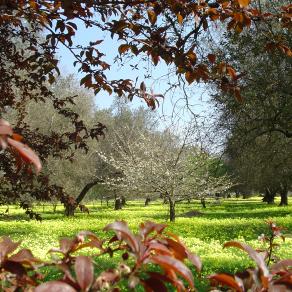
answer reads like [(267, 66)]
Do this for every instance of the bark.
[(71, 207), (70, 210), (284, 196), (118, 203), (147, 201), (85, 190), (171, 209), (269, 196), (123, 201), (203, 202)]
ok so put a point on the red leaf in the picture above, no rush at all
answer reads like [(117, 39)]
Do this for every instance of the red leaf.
[(177, 248), (238, 95), (159, 248), (84, 272), (243, 3), (211, 58), (143, 87), (17, 137), (154, 284), (5, 128), (285, 280), (66, 245), (195, 260), (123, 48), (226, 280), (180, 18), (170, 263), (148, 227), (124, 233), (24, 256), (7, 246), (231, 72), (56, 286), (281, 266), (26, 154), (259, 260), (152, 16)]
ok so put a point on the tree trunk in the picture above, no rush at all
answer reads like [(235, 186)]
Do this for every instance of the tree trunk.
[(85, 190), (70, 210), (147, 201), (269, 196), (118, 203), (284, 196), (171, 209), (123, 201), (203, 202)]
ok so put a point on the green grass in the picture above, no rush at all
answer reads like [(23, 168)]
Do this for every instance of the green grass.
[(237, 219)]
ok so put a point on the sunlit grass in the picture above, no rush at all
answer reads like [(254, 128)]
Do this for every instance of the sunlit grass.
[(237, 219)]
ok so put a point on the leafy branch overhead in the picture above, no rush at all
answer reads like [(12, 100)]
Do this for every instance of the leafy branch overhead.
[(163, 30)]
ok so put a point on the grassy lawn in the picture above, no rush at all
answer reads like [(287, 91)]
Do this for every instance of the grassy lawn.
[(238, 219)]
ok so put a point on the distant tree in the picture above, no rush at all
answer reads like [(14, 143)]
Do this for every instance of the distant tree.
[(160, 163)]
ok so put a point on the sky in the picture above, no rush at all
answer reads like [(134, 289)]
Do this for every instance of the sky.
[(109, 47), (172, 108)]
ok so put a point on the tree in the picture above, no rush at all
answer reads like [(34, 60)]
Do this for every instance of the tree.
[(144, 28), (163, 163), (258, 129)]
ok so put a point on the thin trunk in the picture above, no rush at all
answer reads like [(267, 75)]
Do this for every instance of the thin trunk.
[(118, 203), (86, 189), (203, 202), (171, 209), (269, 197), (71, 206), (147, 201)]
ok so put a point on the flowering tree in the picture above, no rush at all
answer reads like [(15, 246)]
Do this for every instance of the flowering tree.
[(162, 163)]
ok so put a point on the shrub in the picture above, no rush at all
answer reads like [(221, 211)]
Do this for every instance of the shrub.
[(153, 259)]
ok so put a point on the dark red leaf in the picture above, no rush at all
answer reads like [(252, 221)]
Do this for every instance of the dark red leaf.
[(170, 263), (66, 245), (259, 260), (14, 268), (54, 286), (280, 266), (124, 233), (24, 256), (154, 284), (285, 280), (211, 58), (84, 272)]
